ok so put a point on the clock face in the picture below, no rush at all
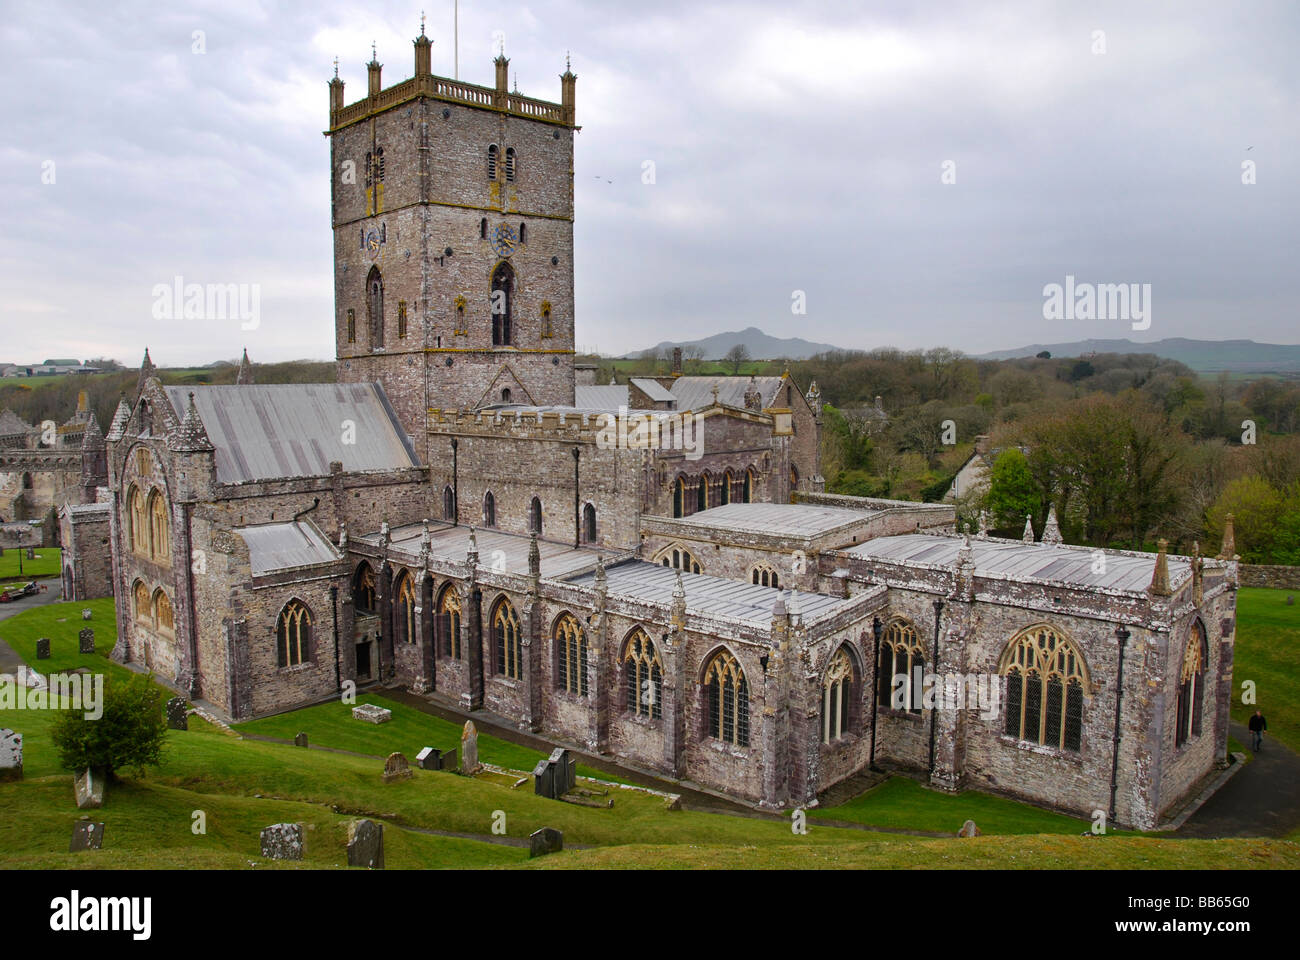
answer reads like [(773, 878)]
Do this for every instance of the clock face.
[(504, 240), (373, 241)]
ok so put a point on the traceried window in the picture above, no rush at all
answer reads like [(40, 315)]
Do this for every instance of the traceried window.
[(679, 558), (293, 635), (644, 676), (143, 604), (139, 520), (763, 575), (363, 589), (162, 612), (160, 547), (728, 696), (900, 656), (404, 625), (1046, 678), (570, 655), (1191, 686), (505, 641), (837, 693), (449, 622), (375, 307)]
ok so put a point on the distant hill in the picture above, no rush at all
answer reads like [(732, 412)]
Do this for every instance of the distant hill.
[(758, 343), (1203, 356)]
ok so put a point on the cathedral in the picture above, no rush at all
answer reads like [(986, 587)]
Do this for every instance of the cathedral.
[(649, 570)]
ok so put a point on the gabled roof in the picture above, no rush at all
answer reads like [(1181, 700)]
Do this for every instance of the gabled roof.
[(286, 546), (696, 393), (270, 431), (653, 390), (600, 398)]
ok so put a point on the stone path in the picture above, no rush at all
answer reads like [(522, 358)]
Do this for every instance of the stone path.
[(1262, 800)]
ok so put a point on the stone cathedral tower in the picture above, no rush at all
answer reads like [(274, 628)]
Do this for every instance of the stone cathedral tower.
[(452, 208)]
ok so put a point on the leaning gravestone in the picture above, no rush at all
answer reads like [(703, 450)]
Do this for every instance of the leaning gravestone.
[(469, 749), (300, 740), (177, 718), (282, 841), (428, 759), (371, 713), (43, 648), (566, 771), (366, 844), (544, 841), (447, 761), (86, 638), (85, 614), (544, 779), (396, 768), (11, 755), (89, 790), (86, 835), (968, 829)]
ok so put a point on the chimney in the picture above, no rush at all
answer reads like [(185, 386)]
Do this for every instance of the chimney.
[(982, 444), (677, 361)]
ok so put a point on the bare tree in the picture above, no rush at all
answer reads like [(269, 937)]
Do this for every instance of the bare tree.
[(736, 356)]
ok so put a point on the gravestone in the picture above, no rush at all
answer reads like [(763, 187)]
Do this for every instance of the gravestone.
[(86, 638), (11, 755), (371, 713), (544, 779), (968, 829), (282, 841), (177, 718), (566, 770), (86, 835), (89, 790), (366, 844), (396, 768), (43, 648), (300, 740), (1290, 600), (428, 759), (31, 553), (85, 614), (544, 841), (469, 749), (447, 760)]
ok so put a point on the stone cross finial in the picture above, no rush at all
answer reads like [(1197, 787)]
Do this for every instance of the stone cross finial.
[(336, 68)]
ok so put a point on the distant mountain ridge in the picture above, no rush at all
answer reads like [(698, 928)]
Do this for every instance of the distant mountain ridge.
[(760, 345), (1243, 356)]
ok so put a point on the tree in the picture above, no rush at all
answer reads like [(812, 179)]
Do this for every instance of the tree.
[(1256, 506), (1044, 354), (129, 733), (736, 356), (1013, 494)]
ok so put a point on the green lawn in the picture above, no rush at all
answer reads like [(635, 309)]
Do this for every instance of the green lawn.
[(901, 802), (46, 563), (1268, 652), (410, 730), (61, 622)]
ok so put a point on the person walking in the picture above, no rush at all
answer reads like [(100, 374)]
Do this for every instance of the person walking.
[(1257, 727)]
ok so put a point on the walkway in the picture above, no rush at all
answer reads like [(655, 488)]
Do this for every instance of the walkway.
[(1261, 800)]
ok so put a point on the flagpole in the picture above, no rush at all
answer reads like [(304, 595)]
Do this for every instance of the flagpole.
[(455, 32)]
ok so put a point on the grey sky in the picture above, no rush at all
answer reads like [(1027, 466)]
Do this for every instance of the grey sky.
[(797, 146)]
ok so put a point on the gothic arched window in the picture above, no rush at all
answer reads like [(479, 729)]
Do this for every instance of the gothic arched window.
[(139, 521), (293, 635), (588, 524), (510, 163), (702, 495), (570, 655), (727, 481), (505, 394), (900, 657), (162, 612), (763, 575), (535, 516), (505, 640), (363, 589), (160, 547), (644, 676), (492, 162), (728, 700), (489, 510), (448, 503), (404, 627), (375, 307), (449, 622), (1191, 686), (748, 491), (837, 696), (503, 297), (1046, 678), (143, 604), (679, 558)]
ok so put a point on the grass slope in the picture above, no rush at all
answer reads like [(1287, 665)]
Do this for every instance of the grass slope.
[(1268, 653)]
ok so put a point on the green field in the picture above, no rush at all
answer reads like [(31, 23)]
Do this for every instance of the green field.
[(242, 785), (47, 562), (1268, 653)]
